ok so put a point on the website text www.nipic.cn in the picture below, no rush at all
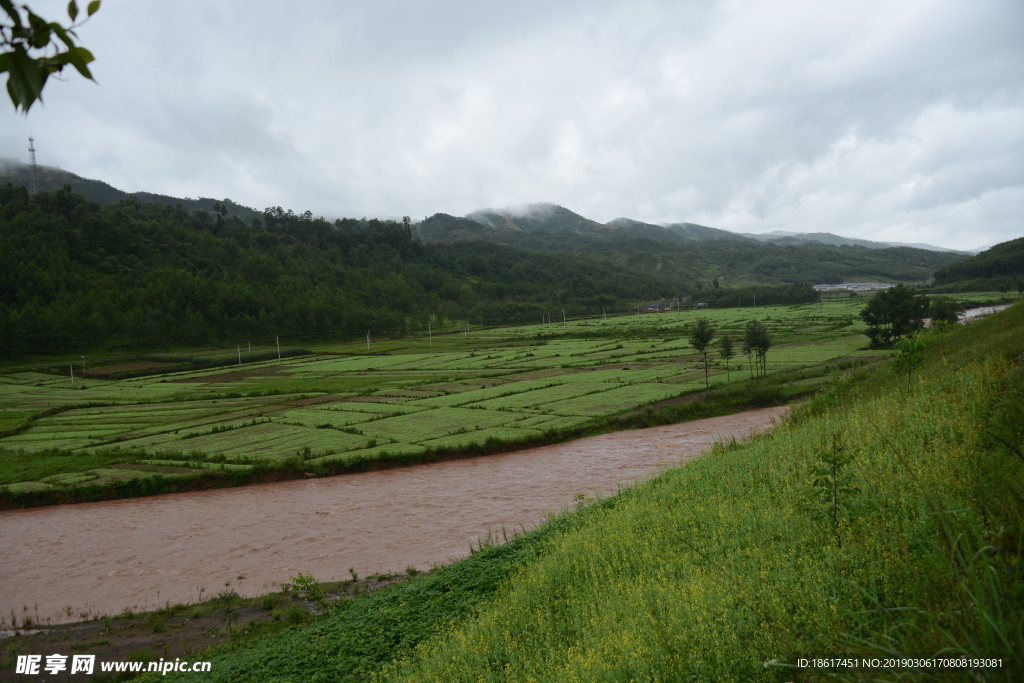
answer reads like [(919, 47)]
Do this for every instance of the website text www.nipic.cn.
[(35, 665)]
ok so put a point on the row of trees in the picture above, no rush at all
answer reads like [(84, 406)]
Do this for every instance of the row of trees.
[(756, 342), (758, 295)]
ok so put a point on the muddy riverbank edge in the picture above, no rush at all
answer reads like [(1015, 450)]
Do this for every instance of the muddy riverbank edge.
[(371, 617)]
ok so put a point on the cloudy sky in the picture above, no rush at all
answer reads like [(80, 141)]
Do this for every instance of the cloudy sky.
[(899, 121)]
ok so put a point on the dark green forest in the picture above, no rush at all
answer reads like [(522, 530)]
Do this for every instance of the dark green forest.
[(760, 295), (1005, 260), (76, 274), (143, 272)]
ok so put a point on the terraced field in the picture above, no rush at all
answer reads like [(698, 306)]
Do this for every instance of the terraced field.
[(406, 396)]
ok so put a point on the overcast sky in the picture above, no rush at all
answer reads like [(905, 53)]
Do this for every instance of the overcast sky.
[(899, 121)]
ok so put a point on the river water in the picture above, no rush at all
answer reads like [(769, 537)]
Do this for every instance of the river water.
[(972, 313), (63, 563)]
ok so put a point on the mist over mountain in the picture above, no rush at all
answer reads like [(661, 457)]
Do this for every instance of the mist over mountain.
[(51, 178), (686, 252), (784, 237)]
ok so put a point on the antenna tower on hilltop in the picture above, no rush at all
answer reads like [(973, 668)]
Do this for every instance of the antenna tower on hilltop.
[(34, 182)]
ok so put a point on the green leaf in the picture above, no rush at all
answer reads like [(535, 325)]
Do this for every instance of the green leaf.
[(73, 10), (13, 13), (11, 92), (26, 78), (4, 60), (78, 57), (63, 35), (93, 7)]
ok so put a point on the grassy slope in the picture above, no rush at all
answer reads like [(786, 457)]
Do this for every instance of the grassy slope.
[(722, 565), (717, 567)]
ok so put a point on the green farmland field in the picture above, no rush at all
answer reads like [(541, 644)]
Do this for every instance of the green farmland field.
[(344, 404)]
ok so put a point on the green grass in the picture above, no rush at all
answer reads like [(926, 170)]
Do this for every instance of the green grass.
[(733, 566), (25, 466), (420, 426), (676, 584)]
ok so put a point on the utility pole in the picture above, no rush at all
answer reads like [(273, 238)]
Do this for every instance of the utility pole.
[(83, 367), (34, 179), (563, 316), (430, 335), (277, 340), (367, 341), (72, 366)]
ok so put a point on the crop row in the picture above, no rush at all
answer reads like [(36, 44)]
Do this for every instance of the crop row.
[(508, 434), (432, 424), (334, 418), (373, 407), (618, 400), (483, 394), (542, 396)]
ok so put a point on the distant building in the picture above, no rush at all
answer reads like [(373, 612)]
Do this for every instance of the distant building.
[(853, 287)]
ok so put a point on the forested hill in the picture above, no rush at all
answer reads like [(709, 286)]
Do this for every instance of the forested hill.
[(76, 274), (50, 178), (684, 251), (1000, 266)]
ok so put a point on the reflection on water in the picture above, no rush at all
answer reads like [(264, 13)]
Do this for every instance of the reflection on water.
[(61, 562)]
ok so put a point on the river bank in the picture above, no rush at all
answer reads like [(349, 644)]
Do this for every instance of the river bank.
[(101, 558)]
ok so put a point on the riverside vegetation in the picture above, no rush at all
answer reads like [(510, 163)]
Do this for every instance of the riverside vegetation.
[(338, 408), (882, 520)]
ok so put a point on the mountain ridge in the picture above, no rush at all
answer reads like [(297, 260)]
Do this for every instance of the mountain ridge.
[(785, 237), (682, 250), (523, 218)]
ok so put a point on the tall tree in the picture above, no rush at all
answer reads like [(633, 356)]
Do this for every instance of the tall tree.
[(893, 313), (700, 338), (756, 342), (725, 353), (764, 342)]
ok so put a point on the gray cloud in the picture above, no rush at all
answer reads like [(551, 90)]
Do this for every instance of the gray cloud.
[(897, 121)]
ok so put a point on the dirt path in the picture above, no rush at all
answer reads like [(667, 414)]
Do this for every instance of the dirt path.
[(62, 563)]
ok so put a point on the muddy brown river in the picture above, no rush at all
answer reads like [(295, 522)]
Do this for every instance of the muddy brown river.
[(64, 563)]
